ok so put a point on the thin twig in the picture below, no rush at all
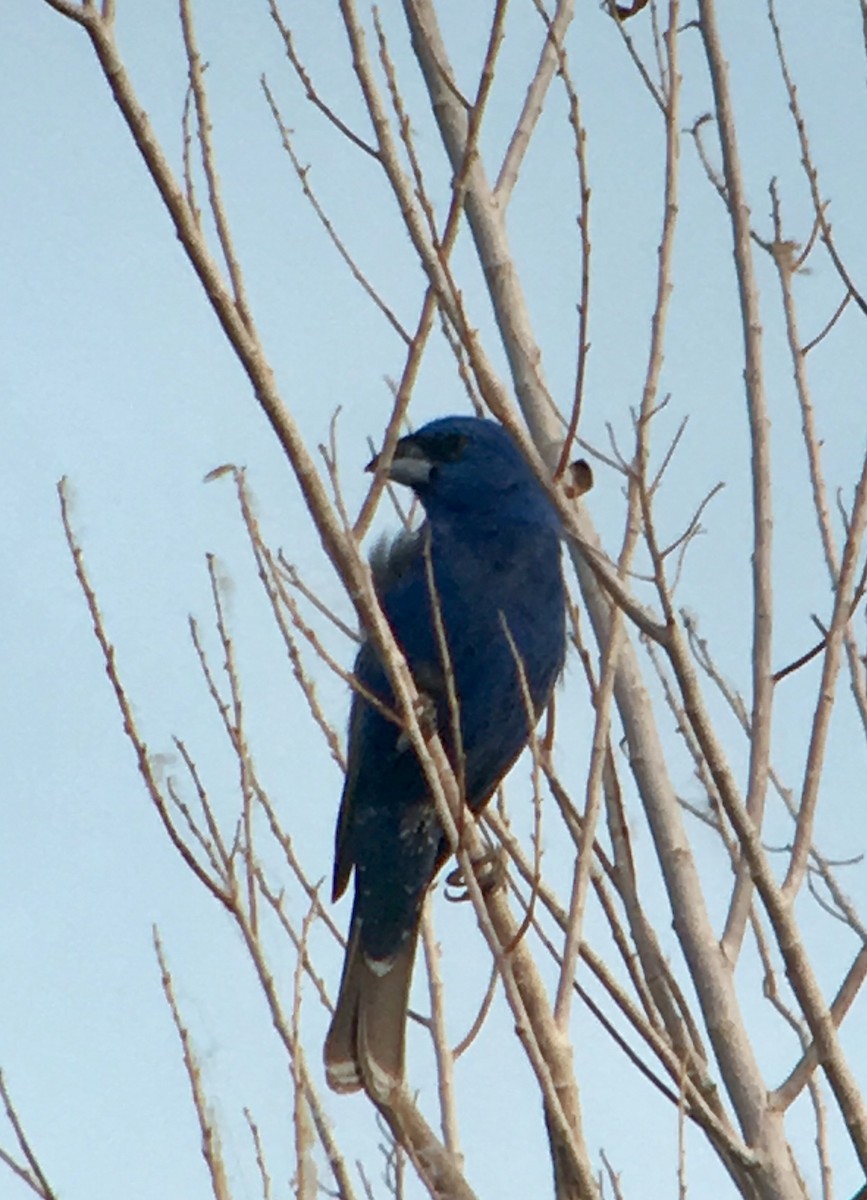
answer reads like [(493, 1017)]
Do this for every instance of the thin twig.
[(34, 1177), (215, 195), (143, 760), (445, 1058), (211, 1150), (310, 91), (303, 174)]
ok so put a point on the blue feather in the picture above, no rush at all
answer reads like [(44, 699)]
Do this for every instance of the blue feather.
[(493, 538)]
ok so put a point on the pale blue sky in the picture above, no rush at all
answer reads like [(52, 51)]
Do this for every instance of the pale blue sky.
[(113, 371)]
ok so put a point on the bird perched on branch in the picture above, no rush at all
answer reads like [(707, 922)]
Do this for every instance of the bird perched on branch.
[(490, 545)]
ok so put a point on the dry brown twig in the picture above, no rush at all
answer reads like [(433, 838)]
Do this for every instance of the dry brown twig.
[(812, 445), (310, 91), (472, 1033), (235, 728), (211, 1150), (264, 1173), (556, 31), (277, 903), (145, 765), (303, 175), (847, 584), (305, 1178), (445, 1058), (812, 175), (204, 128), (843, 909), (30, 1170)]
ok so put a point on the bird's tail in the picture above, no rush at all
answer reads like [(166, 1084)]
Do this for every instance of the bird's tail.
[(366, 1041)]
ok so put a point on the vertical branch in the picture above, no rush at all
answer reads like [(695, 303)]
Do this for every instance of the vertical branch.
[(215, 195), (785, 265), (846, 583), (264, 1174), (760, 464), (550, 59), (584, 857), (556, 28), (211, 1151), (665, 252), (305, 1179), (234, 721), (444, 1057), (809, 167), (604, 692)]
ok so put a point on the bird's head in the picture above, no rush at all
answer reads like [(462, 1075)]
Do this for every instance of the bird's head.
[(465, 466)]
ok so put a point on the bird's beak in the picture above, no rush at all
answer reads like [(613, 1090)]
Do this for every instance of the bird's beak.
[(409, 464)]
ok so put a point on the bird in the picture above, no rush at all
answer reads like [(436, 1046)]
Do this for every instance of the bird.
[(490, 542)]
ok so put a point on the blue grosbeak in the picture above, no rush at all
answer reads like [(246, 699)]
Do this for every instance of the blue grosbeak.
[(492, 539)]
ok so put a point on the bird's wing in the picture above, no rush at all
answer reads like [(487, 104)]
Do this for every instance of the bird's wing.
[(401, 585), (344, 860)]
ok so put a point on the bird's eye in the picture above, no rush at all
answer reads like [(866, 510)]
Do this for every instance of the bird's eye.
[(450, 447)]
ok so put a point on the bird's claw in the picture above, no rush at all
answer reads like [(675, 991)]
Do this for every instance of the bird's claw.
[(490, 873)]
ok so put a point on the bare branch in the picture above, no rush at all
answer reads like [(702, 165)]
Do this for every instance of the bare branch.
[(760, 463), (303, 174), (828, 326), (551, 58), (808, 165), (846, 584), (790, 1088), (32, 1174), (310, 91), (215, 196), (143, 759), (444, 1056), (264, 1175), (211, 1151)]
